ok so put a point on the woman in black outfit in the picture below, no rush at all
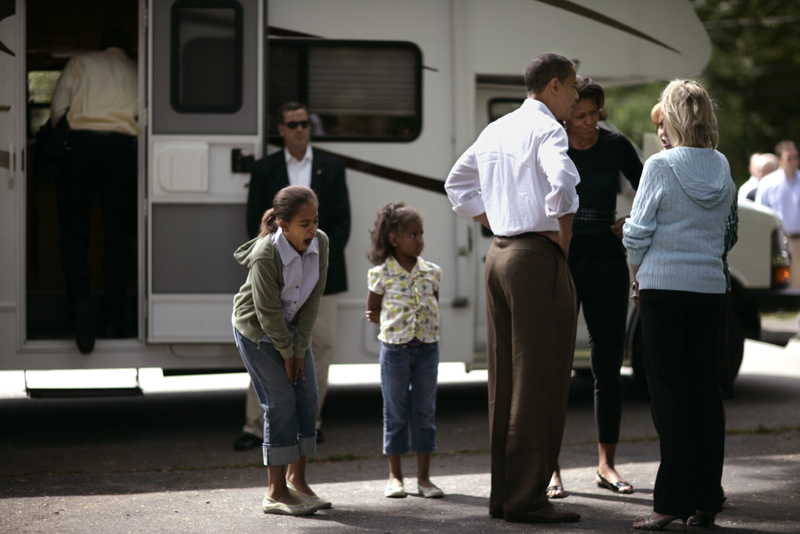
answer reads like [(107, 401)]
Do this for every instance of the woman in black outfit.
[(598, 263)]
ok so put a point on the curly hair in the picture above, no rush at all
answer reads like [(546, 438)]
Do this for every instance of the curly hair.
[(285, 206), (392, 218)]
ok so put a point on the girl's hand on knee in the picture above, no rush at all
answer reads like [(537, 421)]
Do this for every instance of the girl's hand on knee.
[(295, 367)]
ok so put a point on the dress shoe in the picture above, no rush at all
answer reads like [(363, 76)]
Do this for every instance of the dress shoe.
[(271, 506), (548, 514), (649, 523), (316, 500), (84, 326), (247, 441)]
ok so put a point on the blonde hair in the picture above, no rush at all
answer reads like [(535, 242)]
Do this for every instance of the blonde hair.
[(689, 115), (654, 114)]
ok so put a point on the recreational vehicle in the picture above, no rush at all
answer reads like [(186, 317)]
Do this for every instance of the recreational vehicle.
[(398, 90)]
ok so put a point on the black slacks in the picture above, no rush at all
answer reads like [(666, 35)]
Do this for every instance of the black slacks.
[(680, 331), (602, 285), (98, 166), (531, 311)]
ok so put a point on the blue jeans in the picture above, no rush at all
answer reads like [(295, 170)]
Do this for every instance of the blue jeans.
[(408, 384), (290, 412)]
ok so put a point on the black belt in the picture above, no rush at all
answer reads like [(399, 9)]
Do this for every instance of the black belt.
[(104, 133), (595, 216)]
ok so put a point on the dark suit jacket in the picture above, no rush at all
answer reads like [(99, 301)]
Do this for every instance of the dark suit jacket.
[(268, 176)]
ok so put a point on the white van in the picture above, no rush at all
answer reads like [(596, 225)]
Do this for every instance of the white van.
[(398, 90)]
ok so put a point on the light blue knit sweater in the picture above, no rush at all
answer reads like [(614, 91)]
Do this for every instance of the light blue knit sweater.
[(676, 230)]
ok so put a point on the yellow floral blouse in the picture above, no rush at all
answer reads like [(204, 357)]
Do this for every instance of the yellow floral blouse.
[(409, 308)]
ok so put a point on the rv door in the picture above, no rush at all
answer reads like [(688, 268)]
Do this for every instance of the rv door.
[(205, 107), (11, 173)]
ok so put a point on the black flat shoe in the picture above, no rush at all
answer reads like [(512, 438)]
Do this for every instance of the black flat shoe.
[(247, 441), (616, 487)]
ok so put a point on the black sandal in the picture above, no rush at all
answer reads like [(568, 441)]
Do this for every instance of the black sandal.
[(616, 487)]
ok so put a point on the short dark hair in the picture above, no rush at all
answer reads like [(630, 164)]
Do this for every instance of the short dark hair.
[(587, 88), (289, 106), (543, 68), (116, 37), (784, 146)]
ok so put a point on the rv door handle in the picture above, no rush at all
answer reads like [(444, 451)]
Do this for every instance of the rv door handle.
[(12, 164)]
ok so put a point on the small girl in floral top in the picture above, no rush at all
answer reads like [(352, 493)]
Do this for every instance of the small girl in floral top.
[(404, 299)]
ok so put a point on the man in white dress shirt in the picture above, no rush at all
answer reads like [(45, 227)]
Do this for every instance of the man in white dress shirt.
[(518, 181), (780, 191), (98, 93)]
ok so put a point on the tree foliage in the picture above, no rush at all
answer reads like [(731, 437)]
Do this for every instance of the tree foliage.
[(753, 75)]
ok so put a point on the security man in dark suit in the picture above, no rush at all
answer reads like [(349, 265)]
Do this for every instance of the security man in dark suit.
[(300, 164)]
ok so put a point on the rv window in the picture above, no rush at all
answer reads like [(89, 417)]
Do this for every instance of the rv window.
[(41, 84), (355, 90), (206, 47), (503, 106)]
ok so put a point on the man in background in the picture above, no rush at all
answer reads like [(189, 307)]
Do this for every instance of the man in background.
[(780, 191), (98, 92)]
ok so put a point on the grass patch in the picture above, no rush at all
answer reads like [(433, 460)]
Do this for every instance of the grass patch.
[(337, 458), (761, 429)]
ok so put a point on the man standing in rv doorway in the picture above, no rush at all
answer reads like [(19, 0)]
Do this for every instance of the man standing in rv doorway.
[(518, 181), (98, 92), (300, 164)]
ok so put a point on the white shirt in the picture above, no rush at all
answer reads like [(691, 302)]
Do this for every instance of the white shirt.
[(782, 194), (300, 274), (749, 185), (101, 91), (518, 173), (299, 171)]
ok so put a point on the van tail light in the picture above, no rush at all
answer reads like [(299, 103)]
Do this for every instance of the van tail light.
[(781, 259)]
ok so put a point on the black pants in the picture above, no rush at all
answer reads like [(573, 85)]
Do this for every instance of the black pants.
[(680, 331), (602, 286), (103, 166)]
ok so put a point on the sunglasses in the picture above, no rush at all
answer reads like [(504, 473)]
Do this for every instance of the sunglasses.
[(292, 125)]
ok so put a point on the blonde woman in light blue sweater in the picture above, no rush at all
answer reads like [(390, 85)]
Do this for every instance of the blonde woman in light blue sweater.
[(676, 238)]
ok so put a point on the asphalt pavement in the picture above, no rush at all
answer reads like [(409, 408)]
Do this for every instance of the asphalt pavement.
[(164, 463)]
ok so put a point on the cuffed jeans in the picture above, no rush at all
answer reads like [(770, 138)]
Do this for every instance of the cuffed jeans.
[(408, 383), (290, 411)]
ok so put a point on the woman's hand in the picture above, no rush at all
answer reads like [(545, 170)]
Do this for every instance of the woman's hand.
[(374, 316), (295, 367), (635, 284), (616, 228)]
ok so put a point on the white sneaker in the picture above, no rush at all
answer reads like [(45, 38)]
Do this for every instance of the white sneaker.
[(271, 506), (394, 492), (320, 503), (433, 492)]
